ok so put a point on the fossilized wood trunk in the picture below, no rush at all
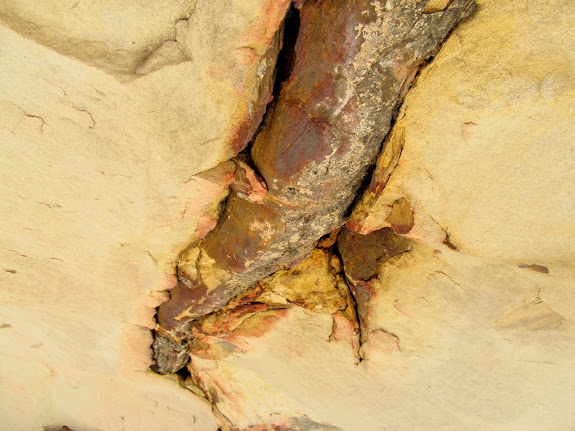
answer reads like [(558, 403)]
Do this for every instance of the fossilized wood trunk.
[(354, 61)]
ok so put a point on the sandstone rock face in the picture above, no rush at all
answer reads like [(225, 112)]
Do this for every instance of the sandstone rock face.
[(114, 35), (186, 108), (113, 164), (108, 172), (453, 341)]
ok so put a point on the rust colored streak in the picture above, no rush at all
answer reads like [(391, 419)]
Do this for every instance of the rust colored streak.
[(362, 254), (244, 132), (228, 322)]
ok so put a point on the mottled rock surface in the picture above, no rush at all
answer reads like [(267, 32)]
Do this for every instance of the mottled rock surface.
[(453, 341), (456, 334), (102, 191), (108, 172), (353, 63)]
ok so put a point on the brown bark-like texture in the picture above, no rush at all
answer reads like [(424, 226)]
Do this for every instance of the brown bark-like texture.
[(353, 62)]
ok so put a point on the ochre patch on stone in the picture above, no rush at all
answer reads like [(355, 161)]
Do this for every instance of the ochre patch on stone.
[(312, 284), (315, 284), (362, 254), (401, 216)]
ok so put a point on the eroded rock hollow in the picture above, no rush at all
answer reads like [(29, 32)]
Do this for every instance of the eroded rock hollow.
[(352, 63)]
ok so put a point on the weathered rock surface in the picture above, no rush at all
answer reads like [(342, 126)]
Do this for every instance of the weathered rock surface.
[(184, 116), (453, 342), (107, 175), (353, 63), (362, 258), (100, 195), (114, 35), (488, 140), (314, 292), (452, 339)]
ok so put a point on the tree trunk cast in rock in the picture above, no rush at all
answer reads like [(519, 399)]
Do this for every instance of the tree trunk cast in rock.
[(354, 61)]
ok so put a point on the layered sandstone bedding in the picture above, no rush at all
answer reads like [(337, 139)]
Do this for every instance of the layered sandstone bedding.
[(441, 295)]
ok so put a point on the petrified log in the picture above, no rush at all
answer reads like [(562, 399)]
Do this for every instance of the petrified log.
[(354, 61)]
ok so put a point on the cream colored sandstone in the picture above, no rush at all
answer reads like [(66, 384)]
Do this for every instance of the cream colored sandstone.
[(115, 35), (102, 190), (100, 193), (184, 117)]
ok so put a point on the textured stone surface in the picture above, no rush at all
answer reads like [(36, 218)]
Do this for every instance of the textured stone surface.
[(95, 209), (353, 63), (316, 285), (488, 140), (453, 342), (107, 175), (362, 258), (363, 254), (184, 117), (115, 35)]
